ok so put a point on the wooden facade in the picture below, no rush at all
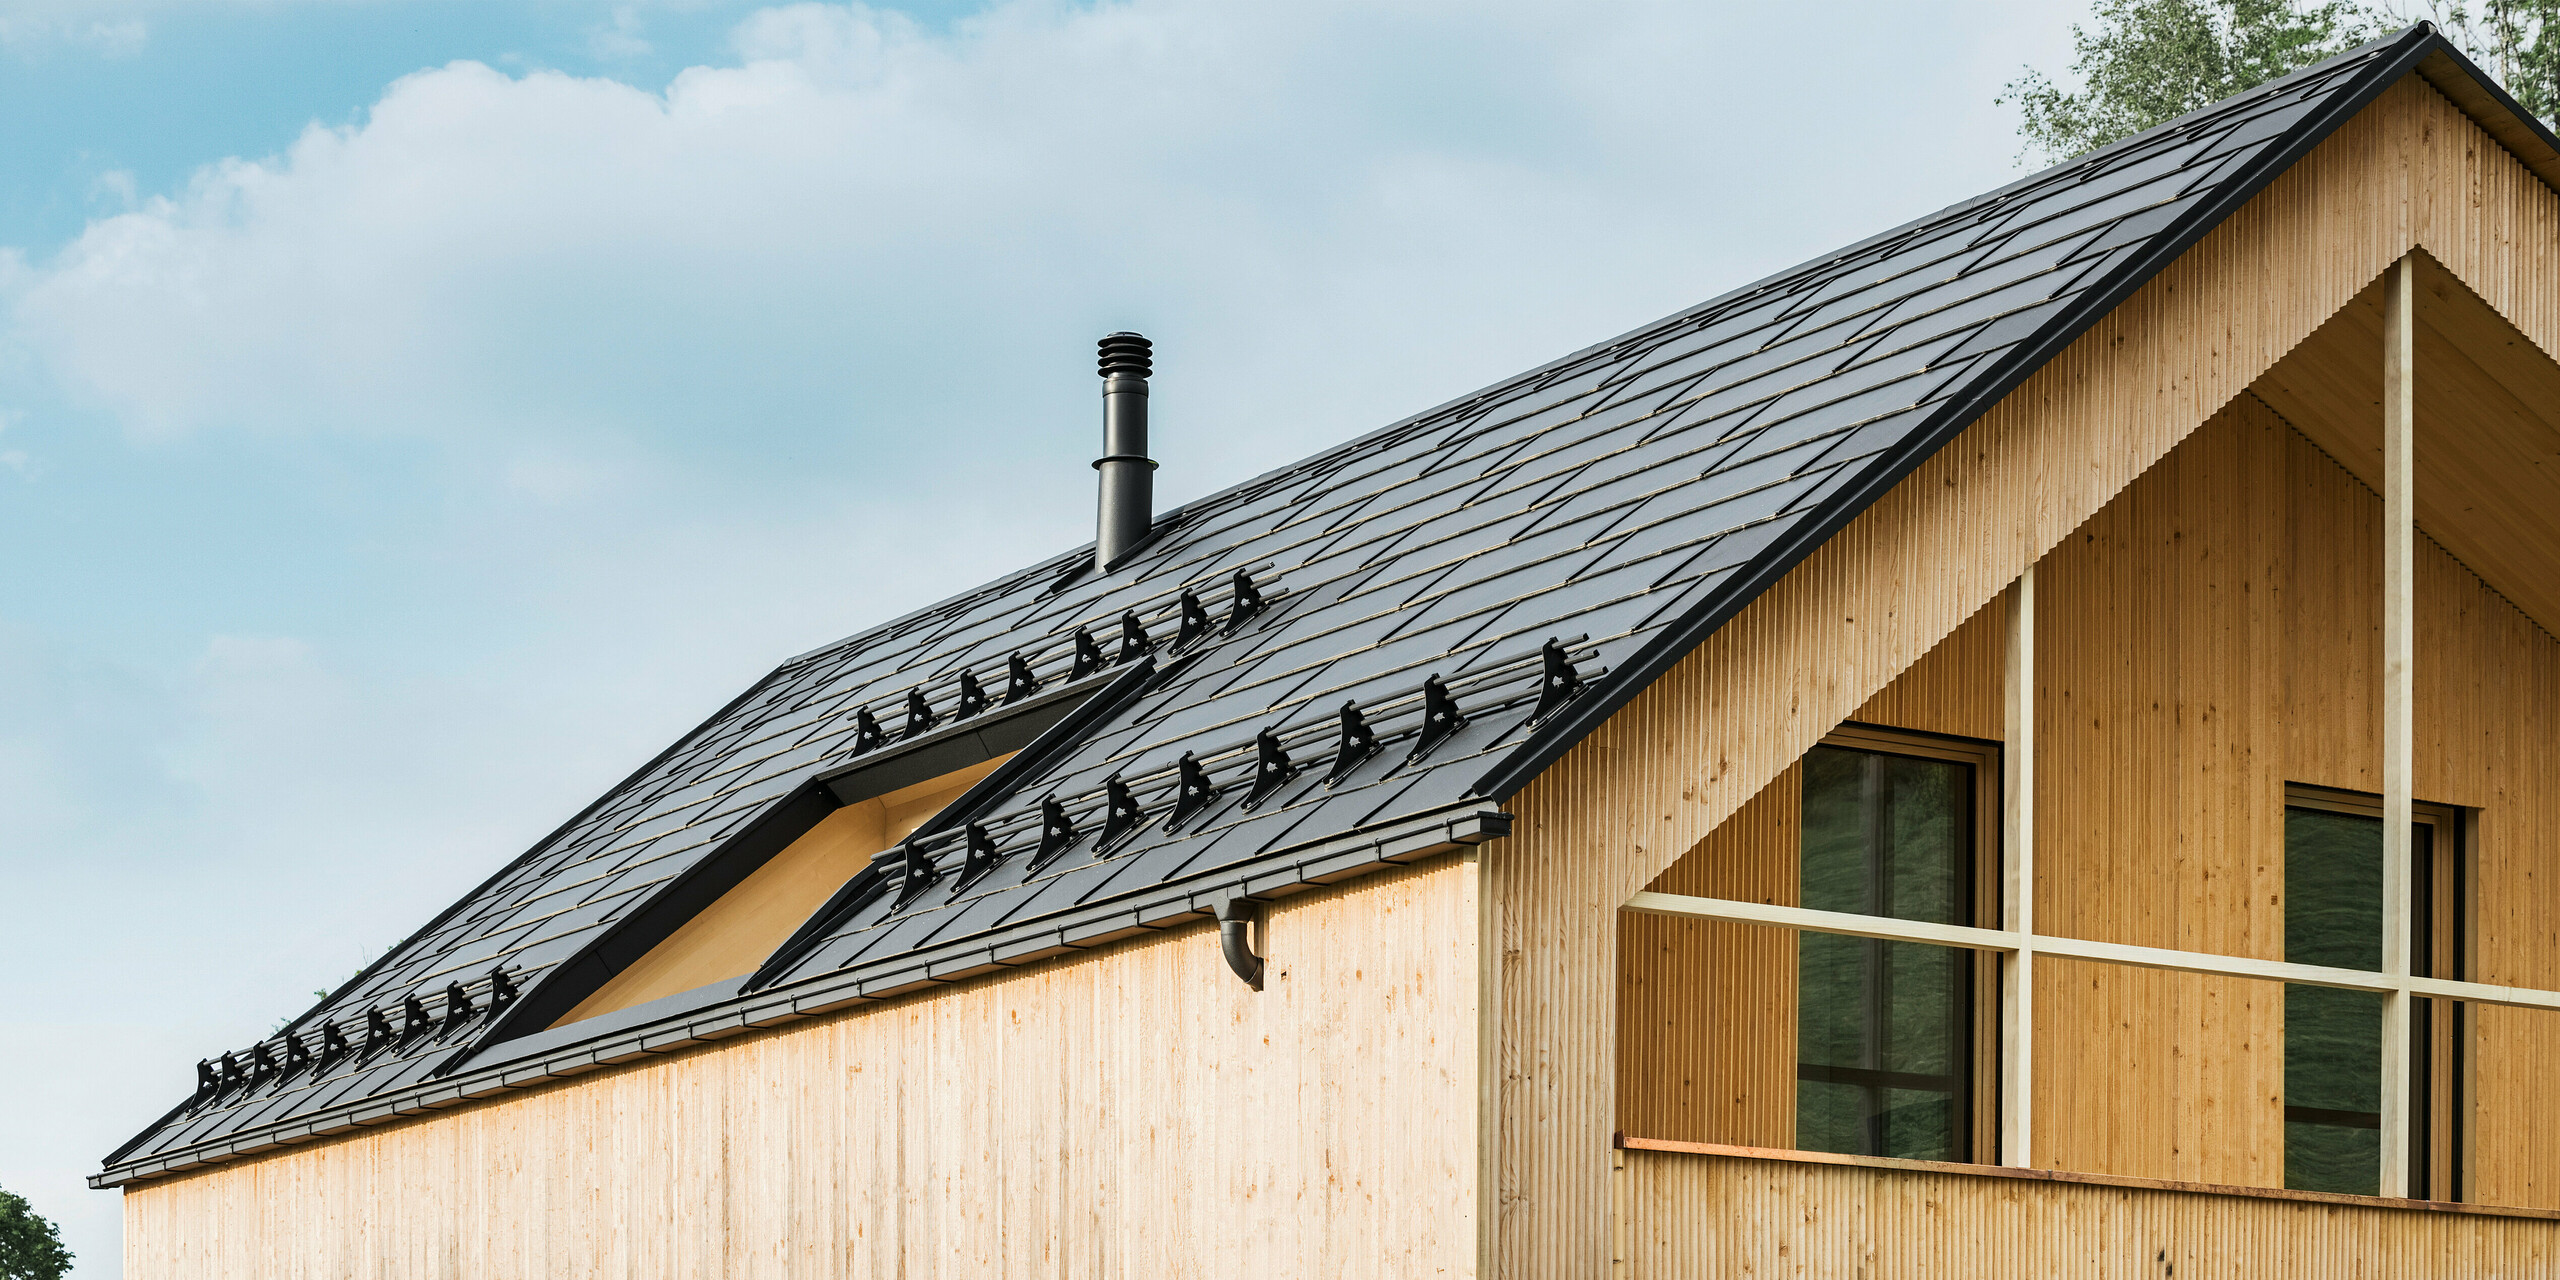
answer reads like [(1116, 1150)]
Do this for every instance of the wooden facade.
[(1134, 1112), (1435, 1079), (2411, 171), (2206, 639), (1695, 1214)]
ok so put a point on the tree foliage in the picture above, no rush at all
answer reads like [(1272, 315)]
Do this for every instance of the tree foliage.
[(2518, 41), (30, 1248), (2145, 62)]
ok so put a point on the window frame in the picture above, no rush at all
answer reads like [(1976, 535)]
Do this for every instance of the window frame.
[(2441, 934), (1982, 893), (2007, 942)]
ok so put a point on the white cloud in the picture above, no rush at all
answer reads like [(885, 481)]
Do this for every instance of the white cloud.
[(1344, 209), (619, 37)]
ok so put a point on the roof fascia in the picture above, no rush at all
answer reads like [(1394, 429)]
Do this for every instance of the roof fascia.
[(1579, 718)]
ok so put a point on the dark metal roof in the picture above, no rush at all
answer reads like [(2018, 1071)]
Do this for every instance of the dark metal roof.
[(1620, 502)]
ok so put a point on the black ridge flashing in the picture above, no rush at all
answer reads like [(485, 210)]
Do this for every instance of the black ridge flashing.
[(1603, 698)]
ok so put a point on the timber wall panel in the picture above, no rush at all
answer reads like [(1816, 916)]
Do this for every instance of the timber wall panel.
[(2206, 638), (1702, 1003), (1707, 1009), (1616, 811), (1702, 1215), (1133, 1112), (2160, 655)]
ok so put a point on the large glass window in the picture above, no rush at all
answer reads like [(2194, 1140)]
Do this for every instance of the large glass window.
[(1914, 955), (2333, 1038), (1885, 1041)]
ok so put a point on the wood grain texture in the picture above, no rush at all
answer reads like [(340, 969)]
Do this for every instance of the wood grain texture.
[(2488, 447), (2486, 679), (2161, 650), (2207, 638), (1727, 720), (1134, 1112), (1703, 1215), (1707, 1008)]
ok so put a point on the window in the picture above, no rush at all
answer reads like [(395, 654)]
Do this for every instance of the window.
[(737, 930), (696, 931), (2333, 1037), (1886, 1033), (1913, 973)]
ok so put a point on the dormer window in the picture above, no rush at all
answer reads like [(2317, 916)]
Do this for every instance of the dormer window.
[(734, 934)]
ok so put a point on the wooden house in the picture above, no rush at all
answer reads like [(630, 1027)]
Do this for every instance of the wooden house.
[(2027, 746)]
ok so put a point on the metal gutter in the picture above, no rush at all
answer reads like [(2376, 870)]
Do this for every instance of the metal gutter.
[(1172, 904)]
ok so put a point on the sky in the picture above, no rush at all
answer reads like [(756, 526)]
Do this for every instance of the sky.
[(415, 415)]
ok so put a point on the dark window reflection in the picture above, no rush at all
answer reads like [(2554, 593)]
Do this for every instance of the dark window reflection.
[(1883, 1034), (2333, 1039)]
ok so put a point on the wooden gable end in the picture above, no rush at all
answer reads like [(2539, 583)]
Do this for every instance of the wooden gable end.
[(2410, 172)]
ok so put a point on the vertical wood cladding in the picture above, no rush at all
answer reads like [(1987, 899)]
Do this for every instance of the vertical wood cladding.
[(1706, 1008), (2206, 638), (1136, 1112), (1700, 1215), (1728, 720), (2161, 660), (2248, 565)]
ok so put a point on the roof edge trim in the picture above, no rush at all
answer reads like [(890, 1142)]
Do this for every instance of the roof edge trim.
[(2498, 114), (1404, 840)]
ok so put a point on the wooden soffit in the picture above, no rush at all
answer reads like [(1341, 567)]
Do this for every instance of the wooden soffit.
[(2496, 114), (2488, 428)]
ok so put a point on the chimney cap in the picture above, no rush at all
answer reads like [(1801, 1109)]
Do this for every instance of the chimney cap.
[(1126, 353)]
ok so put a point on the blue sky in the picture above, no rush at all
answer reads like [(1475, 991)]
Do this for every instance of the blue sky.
[(414, 415)]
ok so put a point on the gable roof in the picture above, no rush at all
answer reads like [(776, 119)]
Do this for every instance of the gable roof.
[(1619, 503)]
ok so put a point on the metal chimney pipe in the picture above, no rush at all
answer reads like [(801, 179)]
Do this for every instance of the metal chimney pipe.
[(1128, 500)]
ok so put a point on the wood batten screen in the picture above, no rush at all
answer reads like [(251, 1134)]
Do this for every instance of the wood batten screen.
[(2018, 876), (2008, 942), (2399, 740)]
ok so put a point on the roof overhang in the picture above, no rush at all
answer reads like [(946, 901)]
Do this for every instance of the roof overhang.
[(2420, 50)]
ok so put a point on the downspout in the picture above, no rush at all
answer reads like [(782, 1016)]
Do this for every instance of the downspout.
[(1235, 921)]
